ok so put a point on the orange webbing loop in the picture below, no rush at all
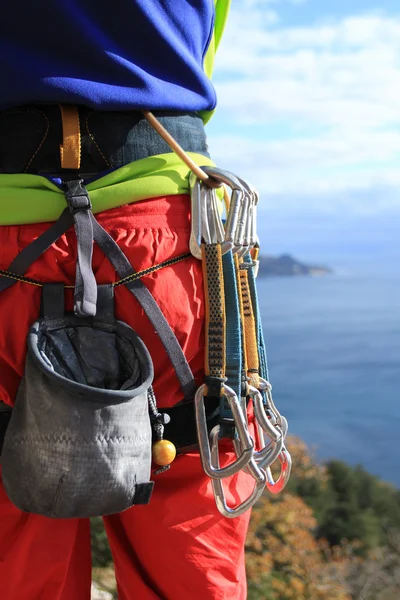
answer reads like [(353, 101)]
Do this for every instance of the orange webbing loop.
[(248, 326), (254, 253), (70, 149), (241, 312)]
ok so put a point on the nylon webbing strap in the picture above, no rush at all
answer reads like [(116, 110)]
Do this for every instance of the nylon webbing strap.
[(124, 268), (70, 149), (262, 356), (233, 351), (216, 304), (53, 301), (250, 326), (31, 253), (241, 314), (215, 326), (85, 297), (105, 304)]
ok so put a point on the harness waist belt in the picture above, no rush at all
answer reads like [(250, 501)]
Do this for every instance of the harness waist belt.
[(181, 430), (108, 140)]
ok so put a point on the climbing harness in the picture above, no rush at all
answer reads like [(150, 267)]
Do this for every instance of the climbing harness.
[(87, 383), (88, 377)]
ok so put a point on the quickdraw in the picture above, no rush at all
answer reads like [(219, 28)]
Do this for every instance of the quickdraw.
[(235, 364)]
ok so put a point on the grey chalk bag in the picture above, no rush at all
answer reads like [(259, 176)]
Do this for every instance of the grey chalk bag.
[(79, 440)]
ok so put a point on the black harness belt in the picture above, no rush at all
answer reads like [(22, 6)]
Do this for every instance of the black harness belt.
[(181, 430)]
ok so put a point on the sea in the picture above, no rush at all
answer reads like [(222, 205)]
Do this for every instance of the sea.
[(333, 346)]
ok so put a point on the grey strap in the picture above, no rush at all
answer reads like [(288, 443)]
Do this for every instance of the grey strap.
[(105, 304), (85, 282), (124, 268), (53, 301), (29, 254)]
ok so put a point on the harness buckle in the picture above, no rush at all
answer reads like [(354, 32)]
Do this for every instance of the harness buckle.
[(77, 196)]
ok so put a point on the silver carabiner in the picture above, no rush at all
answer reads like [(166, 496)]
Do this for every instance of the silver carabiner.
[(207, 232), (271, 450), (266, 387), (266, 427), (240, 242), (215, 227), (214, 219), (245, 439), (245, 218), (235, 204), (262, 418), (258, 474), (195, 217), (275, 487), (206, 222), (253, 225)]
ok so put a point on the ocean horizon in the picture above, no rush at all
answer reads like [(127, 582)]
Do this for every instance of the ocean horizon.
[(333, 346)]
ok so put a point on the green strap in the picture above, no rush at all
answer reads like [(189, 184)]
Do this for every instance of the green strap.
[(34, 199)]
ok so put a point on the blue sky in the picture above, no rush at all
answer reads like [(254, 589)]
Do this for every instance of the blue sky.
[(309, 111)]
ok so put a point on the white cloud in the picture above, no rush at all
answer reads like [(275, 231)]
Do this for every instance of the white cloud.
[(339, 80), (328, 151), (332, 74)]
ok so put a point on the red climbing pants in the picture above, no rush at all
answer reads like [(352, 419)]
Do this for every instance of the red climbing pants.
[(178, 547)]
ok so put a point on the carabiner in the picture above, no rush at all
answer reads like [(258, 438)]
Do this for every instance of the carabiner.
[(206, 222), (245, 218), (261, 416), (254, 241), (215, 223), (266, 427), (271, 414), (207, 232), (235, 204), (266, 387), (195, 217), (275, 487), (245, 439), (258, 474), (215, 226)]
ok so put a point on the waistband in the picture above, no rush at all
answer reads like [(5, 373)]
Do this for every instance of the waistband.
[(30, 139), (156, 213), (35, 199), (127, 167)]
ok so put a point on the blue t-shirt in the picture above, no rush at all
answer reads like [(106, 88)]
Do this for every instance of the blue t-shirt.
[(116, 55)]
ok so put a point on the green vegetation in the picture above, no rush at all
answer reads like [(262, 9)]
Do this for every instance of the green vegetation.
[(349, 503), (334, 534)]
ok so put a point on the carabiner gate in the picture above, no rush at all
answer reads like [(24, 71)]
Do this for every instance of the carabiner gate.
[(232, 219), (195, 217)]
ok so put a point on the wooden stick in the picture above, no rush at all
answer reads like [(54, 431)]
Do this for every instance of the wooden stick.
[(175, 147)]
